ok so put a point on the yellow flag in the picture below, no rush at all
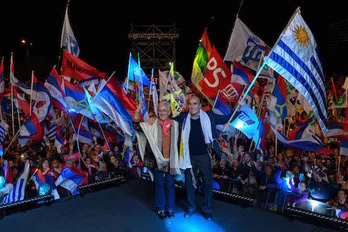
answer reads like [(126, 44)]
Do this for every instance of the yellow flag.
[(176, 109)]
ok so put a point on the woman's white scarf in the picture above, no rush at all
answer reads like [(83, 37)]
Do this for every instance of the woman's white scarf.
[(153, 134), (184, 160)]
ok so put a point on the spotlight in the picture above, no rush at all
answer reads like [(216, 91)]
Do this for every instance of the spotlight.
[(314, 204)]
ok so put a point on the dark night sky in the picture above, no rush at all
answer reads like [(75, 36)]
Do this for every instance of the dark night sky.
[(101, 28)]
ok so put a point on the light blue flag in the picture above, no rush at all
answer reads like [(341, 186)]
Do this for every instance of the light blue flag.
[(246, 121), (134, 72), (142, 101), (296, 57)]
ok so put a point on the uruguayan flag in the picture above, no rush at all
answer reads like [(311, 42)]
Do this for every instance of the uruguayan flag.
[(68, 38), (296, 57), (3, 130), (18, 190)]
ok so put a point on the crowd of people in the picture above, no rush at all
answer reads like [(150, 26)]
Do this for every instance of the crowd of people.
[(187, 145), (294, 174)]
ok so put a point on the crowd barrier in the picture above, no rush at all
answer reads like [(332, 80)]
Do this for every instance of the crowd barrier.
[(33, 202), (311, 211), (323, 216)]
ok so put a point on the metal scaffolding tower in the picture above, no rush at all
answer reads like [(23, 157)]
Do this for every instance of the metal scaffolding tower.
[(155, 45)]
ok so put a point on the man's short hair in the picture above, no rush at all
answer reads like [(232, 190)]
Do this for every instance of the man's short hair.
[(194, 95)]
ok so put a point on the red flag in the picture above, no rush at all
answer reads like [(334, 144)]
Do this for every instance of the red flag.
[(76, 68), (23, 104), (217, 76), (206, 43)]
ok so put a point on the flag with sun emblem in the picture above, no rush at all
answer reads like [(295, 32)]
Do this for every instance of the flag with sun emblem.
[(295, 56)]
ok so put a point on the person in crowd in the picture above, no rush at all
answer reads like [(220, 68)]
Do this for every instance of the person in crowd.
[(85, 151), (98, 150), (56, 166), (97, 162), (222, 174), (238, 151), (137, 165), (250, 184), (305, 164), (297, 175), (113, 164), (340, 201), (116, 149), (161, 135), (45, 168), (267, 187), (198, 139), (90, 169), (244, 168), (301, 191), (295, 160)]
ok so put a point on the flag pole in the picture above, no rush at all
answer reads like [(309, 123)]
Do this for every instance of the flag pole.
[(112, 74), (107, 143), (217, 96), (275, 145), (62, 47), (33, 174), (148, 100), (127, 84), (11, 64), (237, 15), (99, 85), (287, 25), (339, 164), (31, 89), (13, 139), (234, 24), (260, 107), (19, 119), (77, 139), (243, 98)]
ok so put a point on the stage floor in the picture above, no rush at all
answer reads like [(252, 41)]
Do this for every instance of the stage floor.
[(130, 207)]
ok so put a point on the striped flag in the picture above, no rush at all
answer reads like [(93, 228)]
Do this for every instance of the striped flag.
[(3, 130), (344, 146), (54, 85), (60, 140), (53, 125), (18, 191), (20, 101), (40, 179), (342, 214), (220, 106), (296, 57)]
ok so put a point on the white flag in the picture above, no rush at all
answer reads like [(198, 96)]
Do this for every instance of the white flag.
[(68, 39), (296, 57), (245, 47)]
